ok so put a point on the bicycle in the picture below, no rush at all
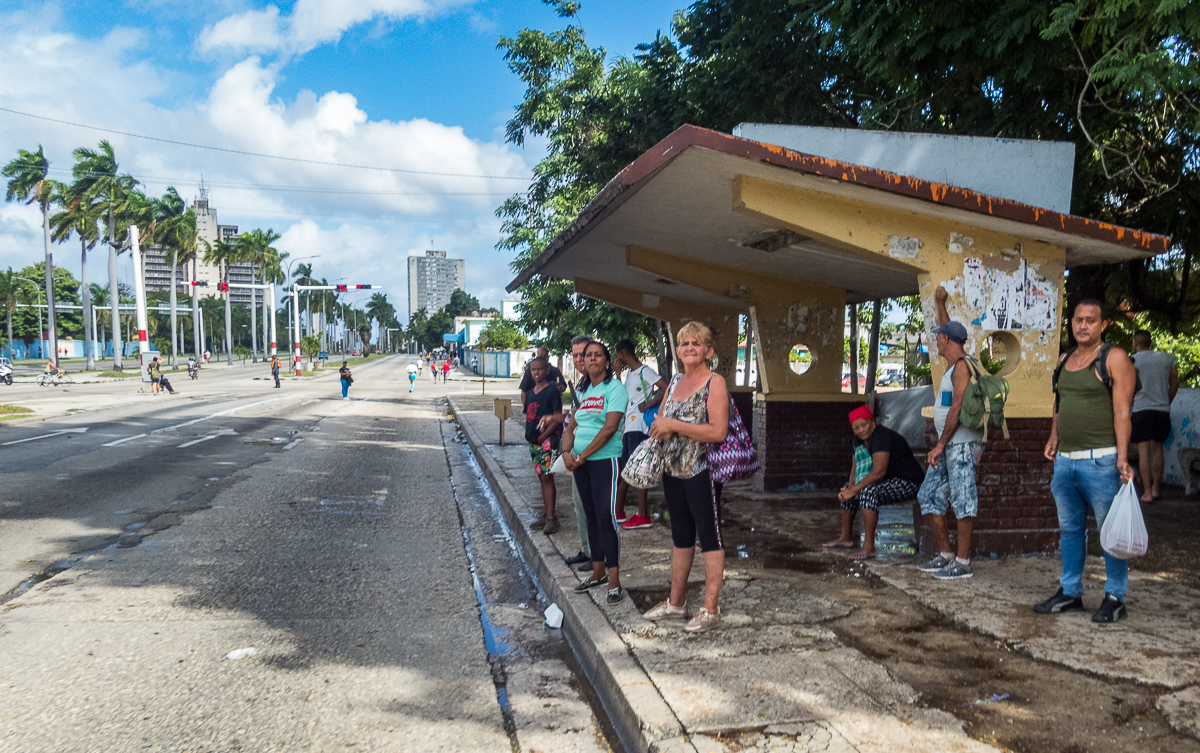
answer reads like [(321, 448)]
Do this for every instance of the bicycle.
[(54, 379)]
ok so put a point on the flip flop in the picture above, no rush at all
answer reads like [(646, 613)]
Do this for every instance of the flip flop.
[(835, 544), (862, 556)]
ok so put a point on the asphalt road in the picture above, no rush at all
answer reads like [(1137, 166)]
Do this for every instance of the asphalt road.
[(349, 543)]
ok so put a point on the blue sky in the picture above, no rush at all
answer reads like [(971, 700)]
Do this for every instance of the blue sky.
[(410, 84)]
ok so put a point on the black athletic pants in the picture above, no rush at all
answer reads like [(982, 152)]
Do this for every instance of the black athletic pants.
[(695, 508), (596, 481)]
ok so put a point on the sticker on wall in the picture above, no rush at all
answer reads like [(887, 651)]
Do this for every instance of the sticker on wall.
[(798, 318), (960, 242), (973, 284), (903, 248)]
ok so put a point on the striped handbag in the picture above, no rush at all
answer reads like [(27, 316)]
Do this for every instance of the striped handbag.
[(735, 458)]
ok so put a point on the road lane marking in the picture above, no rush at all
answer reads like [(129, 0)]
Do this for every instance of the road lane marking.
[(123, 441), (306, 402), (198, 441), (46, 436), (290, 445), (196, 421)]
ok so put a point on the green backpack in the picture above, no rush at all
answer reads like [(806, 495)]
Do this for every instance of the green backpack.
[(983, 401)]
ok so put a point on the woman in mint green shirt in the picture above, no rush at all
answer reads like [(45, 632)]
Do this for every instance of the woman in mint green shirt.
[(596, 428)]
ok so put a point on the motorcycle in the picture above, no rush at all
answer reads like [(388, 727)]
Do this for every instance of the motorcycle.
[(193, 370), (6, 373)]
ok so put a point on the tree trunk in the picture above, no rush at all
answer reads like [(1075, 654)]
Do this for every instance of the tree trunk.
[(114, 293), (49, 284), (873, 353), (85, 299), (853, 309), (174, 316)]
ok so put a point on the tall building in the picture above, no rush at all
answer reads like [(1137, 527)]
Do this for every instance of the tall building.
[(156, 260), (432, 278)]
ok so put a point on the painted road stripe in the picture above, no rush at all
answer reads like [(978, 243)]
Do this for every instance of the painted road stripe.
[(46, 436), (123, 441), (198, 441), (290, 445)]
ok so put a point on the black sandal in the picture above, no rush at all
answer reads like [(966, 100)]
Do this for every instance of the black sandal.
[(590, 584)]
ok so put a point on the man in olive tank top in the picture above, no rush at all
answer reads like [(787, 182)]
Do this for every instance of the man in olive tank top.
[(1089, 444)]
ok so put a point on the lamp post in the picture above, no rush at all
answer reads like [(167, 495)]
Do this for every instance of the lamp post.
[(39, 290), (288, 279)]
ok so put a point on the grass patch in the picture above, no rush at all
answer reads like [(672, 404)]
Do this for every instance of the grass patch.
[(75, 410), (120, 374), (14, 410)]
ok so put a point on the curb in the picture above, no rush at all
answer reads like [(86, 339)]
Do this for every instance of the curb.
[(639, 714)]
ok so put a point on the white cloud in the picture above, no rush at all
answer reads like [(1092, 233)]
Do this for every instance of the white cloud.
[(311, 23), (363, 221)]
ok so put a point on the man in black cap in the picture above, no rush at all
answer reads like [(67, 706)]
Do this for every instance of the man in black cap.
[(950, 478)]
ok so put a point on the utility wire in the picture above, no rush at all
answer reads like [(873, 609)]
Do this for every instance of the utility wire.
[(257, 154)]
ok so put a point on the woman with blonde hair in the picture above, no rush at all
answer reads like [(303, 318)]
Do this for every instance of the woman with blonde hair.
[(694, 414)]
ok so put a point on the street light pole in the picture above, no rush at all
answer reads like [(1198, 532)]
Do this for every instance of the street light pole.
[(39, 290)]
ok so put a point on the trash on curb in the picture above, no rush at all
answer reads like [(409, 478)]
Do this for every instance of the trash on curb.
[(554, 616), (240, 653), (982, 701)]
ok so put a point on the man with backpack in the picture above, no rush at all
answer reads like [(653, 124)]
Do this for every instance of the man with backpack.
[(950, 478), (1089, 444)]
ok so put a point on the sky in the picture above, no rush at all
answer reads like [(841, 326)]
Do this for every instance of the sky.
[(415, 90)]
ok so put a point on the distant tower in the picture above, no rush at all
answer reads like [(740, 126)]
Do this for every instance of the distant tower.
[(432, 278)]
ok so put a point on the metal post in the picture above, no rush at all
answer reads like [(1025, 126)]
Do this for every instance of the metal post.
[(139, 292), (296, 311), (271, 303), (53, 332), (94, 344)]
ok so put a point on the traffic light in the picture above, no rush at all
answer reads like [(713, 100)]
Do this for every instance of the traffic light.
[(223, 286), (198, 284), (341, 288), (364, 287)]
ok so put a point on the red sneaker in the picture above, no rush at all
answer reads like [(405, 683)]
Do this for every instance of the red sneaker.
[(621, 516), (637, 521)]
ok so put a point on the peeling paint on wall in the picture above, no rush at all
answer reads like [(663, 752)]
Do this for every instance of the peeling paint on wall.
[(903, 248), (959, 242), (1021, 299), (797, 320)]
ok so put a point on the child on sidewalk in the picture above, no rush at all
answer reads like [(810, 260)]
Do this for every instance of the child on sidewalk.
[(543, 400)]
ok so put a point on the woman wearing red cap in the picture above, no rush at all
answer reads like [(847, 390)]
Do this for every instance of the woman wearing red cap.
[(884, 472)]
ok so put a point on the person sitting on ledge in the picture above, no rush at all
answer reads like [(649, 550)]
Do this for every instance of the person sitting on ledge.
[(884, 472)]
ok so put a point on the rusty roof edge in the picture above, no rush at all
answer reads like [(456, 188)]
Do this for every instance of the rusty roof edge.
[(686, 136)]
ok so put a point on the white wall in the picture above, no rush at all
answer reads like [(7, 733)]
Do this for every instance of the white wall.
[(1032, 172), (1185, 431)]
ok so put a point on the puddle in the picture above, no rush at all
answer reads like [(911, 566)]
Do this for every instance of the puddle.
[(55, 568)]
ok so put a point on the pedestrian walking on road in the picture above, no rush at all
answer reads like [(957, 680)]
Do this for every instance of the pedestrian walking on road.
[(950, 478), (155, 375), (591, 448), (412, 376), (694, 414), (646, 389), (446, 370), (1089, 444), (1151, 419), (543, 400), (275, 369), (347, 379), (883, 472)]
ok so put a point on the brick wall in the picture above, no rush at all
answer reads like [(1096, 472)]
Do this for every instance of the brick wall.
[(804, 444), (1016, 510)]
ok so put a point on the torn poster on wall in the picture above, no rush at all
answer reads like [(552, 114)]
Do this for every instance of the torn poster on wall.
[(1021, 299)]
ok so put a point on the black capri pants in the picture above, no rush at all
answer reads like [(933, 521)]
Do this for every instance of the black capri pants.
[(596, 481), (695, 508)]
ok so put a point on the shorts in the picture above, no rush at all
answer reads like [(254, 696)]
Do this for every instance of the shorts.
[(1150, 426), (629, 443), (155, 380), (952, 482), (412, 377), (543, 458)]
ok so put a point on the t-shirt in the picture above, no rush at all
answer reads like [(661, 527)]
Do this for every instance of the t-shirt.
[(446, 367), (539, 404), (420, 363), (901, 463), (1154, 369), (595, 403), (412, 370), (553, 376), (344, 372), (639, 383)]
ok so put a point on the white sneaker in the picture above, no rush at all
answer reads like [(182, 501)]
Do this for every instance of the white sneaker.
[(665, 610)]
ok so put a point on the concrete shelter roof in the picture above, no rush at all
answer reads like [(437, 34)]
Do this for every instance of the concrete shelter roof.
[(676, 198)]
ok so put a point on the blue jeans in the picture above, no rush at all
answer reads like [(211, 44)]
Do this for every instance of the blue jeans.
[(1078, 485), (345, 387)]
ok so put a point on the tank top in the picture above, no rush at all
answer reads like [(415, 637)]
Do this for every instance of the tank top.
[(684, 457), (941, 409), (1085, 412)]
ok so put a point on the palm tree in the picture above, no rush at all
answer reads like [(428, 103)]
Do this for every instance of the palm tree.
[(79, 215), (27, 182), (381, 311), (303, 276), (224, 255), (96, 177), (177, 231), (9, 294)]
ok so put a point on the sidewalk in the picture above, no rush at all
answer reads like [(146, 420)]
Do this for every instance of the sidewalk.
[(814, 652)]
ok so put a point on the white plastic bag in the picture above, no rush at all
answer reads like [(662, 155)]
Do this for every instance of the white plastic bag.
[(554, 616), (1124, 532), (559, 465)]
